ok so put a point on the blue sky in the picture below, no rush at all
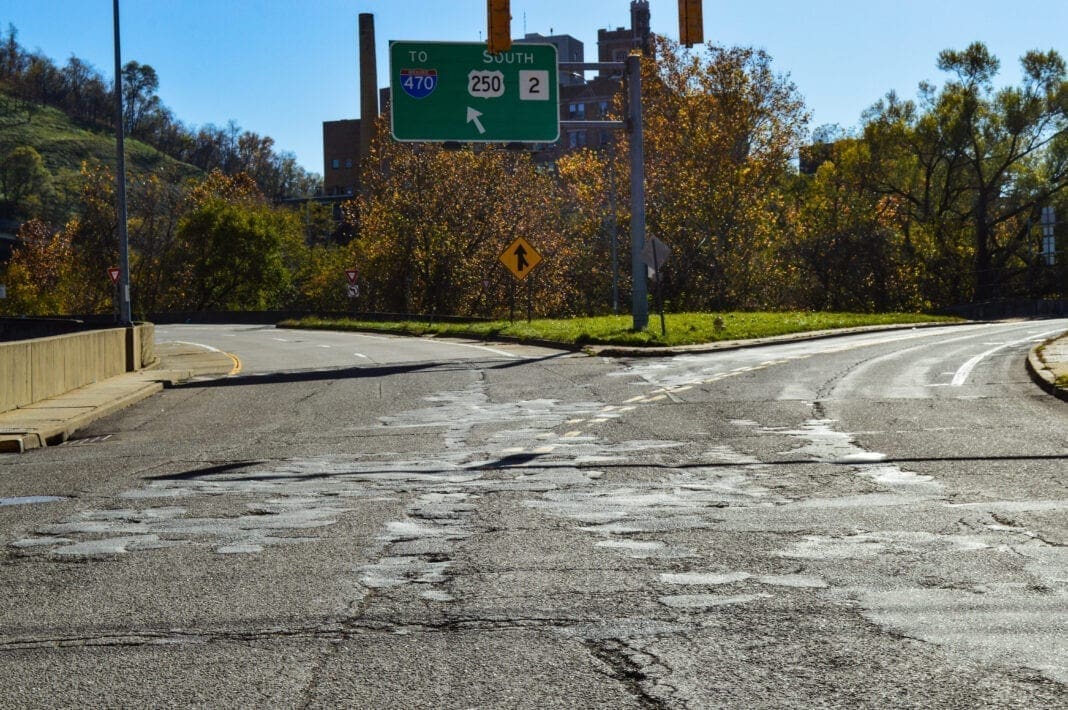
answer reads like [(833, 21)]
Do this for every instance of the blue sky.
[(281, 67)]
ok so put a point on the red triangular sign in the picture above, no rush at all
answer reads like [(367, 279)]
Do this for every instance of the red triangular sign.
[(113, 272), (351, 274)]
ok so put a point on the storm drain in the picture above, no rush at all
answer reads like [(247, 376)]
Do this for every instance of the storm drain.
[(86, 440)]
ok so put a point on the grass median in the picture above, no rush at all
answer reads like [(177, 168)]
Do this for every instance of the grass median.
[(682, 328)]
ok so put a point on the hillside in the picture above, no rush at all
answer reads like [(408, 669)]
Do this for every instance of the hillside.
[(64, 145)]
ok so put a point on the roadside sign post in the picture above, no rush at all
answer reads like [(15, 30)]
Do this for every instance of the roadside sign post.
[(352, 289), (460, 91), (114, 273), (655, 254), (520, 258)]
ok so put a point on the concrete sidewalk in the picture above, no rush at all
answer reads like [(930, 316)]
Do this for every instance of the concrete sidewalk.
[(53, 421)]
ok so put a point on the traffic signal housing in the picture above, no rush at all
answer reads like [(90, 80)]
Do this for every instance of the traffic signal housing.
[(499, 20), (691, 25)]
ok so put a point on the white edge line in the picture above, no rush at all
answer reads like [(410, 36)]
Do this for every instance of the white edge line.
[(965, 370), (197, 345)]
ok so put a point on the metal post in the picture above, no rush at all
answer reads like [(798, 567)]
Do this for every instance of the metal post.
[(614, 230), (530, 298), (125, 316), (659, 289), (639, 289)]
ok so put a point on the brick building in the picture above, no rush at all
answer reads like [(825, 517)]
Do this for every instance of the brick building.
[(341, 157)]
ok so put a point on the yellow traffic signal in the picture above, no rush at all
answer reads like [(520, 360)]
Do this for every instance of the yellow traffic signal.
[(499, 19), (691, 26)]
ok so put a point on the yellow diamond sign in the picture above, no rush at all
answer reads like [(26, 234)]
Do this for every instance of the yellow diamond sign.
[(520, 258)]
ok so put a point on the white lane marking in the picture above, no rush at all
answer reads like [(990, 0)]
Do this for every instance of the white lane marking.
[(281, 340), (366, 357), (482, 347), (372, 337), (198, 345), (324, 346), (966, 369)]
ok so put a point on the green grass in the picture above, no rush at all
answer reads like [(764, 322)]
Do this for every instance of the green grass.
[(682, 328)]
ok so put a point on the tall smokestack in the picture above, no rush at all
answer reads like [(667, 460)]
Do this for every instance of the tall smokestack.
[(368, 83)]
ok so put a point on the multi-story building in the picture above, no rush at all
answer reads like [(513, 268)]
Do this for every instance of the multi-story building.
[(341, 157), (592, 100), (615, 45)]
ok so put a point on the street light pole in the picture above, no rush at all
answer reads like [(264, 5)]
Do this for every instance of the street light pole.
[(125, 316)]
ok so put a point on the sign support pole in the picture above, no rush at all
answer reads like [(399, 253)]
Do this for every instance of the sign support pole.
[(530, 298), (659, 290), (639, 288)]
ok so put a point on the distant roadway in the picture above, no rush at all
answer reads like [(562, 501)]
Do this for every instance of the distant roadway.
[(356, 520)]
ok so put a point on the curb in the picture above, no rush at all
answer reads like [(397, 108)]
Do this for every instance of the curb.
[(1042, 375), (648, 350), (726, 345), (126, 390), (536, 342), (20, 441)]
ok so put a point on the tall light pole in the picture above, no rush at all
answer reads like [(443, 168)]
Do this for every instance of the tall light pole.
[(125, 317)]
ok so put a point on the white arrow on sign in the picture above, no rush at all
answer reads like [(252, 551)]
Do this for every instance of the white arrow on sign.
[(472, 115)]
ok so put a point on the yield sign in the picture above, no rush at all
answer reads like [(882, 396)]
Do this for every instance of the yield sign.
[(113, 274), (520, 258), (351, 275)]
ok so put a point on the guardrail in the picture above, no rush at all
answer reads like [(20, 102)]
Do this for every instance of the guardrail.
[(40, 368)]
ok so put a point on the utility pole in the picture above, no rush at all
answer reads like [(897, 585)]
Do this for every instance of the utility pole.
[(639, 289), (125, 314)]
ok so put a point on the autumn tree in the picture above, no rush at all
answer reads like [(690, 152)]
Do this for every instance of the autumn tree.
[(433, 222), (24, 181), (595, 215), (721, 127), (236, 250), (38, 276), (973, 165), (845, 251)]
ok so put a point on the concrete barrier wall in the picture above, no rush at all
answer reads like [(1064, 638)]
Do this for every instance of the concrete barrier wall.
[(37, 369)]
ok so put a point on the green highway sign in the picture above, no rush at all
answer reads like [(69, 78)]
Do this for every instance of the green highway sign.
[(459, 91)]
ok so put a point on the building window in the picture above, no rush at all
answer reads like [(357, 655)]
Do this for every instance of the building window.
[(577, 139), (576, 111), (335, 163), (604, 108), (348, 163)]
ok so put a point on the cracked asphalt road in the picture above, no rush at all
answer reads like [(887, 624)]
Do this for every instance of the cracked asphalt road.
[(355, 521)]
